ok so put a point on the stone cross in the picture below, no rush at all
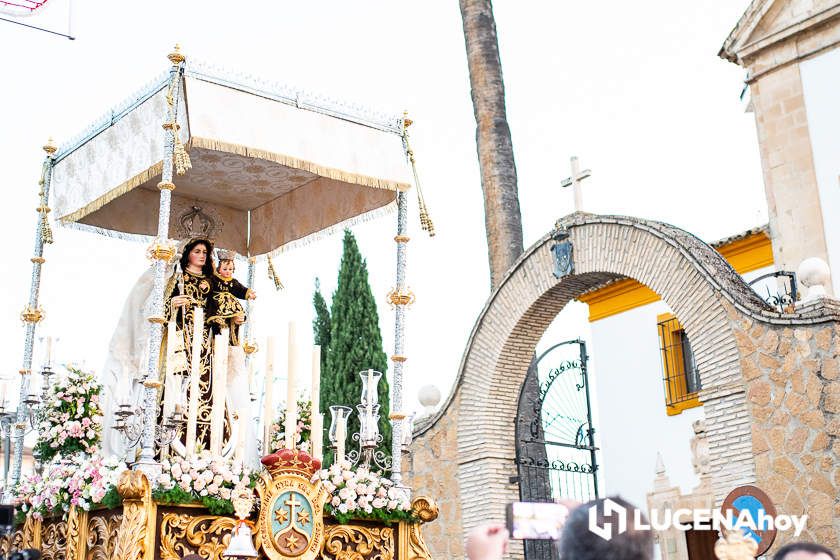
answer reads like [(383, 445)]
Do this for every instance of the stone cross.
[(574, 182)]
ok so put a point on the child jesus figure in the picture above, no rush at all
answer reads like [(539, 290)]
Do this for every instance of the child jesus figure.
[(225, 309)]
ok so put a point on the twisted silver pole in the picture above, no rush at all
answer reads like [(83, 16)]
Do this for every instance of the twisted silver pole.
[(399, 298), (146, 462), (31, 315)]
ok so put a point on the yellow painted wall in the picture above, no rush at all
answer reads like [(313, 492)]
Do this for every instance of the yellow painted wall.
[(745, 255)]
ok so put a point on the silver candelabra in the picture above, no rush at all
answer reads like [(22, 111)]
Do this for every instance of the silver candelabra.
[(129, 424), (368, 437)]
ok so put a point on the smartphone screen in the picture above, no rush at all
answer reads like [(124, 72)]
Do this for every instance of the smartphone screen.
[(536, 520)]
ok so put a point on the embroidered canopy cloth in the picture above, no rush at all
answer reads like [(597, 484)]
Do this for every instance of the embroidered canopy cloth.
[(271, 167)]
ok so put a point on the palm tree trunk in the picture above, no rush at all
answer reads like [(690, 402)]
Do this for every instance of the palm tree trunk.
[(502, 217)]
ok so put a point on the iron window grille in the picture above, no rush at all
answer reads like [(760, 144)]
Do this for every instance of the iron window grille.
[(680, 376)]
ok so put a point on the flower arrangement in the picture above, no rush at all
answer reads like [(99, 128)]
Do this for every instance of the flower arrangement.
[(70, 418), (203, 478), (304, 428), (363, 494), (81, 481)]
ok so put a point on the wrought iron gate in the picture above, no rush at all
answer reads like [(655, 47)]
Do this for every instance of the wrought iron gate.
[(555, 451)]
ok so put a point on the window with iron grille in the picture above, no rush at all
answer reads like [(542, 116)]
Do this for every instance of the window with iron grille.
[(679, 371)]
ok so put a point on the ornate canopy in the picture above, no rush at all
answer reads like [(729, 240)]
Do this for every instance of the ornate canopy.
[(271, 166)]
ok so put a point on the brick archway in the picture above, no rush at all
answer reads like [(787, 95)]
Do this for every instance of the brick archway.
[(720, 313)]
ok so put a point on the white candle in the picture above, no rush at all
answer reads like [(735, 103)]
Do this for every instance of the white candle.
[(315, 391), (240, 436), (371, 389), (48, 352), (3, 384), (250, 376), (195, 375), (291, 398), (268, 396), (217, 414), (340, 435), (317, 436), (170, 394)]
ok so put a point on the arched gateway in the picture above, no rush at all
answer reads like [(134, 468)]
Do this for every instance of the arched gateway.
[(745, 371)]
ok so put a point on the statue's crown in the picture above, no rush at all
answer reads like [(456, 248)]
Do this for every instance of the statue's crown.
[(291, 460)]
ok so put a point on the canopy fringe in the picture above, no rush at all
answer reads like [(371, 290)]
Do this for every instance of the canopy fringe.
[(114, 193), (323, 171), (133, 237), (307, 240)]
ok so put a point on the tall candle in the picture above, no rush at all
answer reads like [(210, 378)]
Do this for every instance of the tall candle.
[(317, 436), (170, 395), (340, 435), (371, 389), (217, 414), (48, 352), (3, 393), (240, 435), (290, 427), (315, 391), (250, 376), (268, 395), (195, 376)]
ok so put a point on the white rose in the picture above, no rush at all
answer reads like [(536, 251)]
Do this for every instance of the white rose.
[(392, 504), (342, 508), (335, 501)]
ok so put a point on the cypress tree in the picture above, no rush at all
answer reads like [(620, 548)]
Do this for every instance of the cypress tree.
[(321, 331), (355, 344)]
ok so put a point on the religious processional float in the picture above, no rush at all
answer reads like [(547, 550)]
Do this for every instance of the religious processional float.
[(157, 456)]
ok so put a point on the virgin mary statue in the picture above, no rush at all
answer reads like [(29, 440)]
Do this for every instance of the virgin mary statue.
[(188, 286)]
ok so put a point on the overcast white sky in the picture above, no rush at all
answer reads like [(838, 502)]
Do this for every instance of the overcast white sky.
[(635, 89)]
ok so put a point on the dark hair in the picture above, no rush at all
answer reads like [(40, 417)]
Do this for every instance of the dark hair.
[(208, 269), (579, 543), (802, 547)]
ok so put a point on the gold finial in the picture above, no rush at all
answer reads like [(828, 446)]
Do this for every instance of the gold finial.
[(406, 121), (50, 146), (175, 57)]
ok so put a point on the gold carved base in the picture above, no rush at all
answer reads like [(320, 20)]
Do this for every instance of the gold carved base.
[(145, 530)]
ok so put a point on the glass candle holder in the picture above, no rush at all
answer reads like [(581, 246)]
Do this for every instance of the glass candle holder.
[(338, 416), (370, 386), (369, 423)]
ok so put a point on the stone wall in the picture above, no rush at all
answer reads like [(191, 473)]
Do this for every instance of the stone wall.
[(432, 471), (749, 358), (793, 396)]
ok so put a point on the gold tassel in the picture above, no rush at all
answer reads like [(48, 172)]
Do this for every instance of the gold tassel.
[(272, 275), (426, 223), (181, 157)]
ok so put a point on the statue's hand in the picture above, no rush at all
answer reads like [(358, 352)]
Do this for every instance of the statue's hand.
[(239, 319), (251, 294), (181, 301)]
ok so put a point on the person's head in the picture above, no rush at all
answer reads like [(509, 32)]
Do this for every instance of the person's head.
[(804, 551), (226, 268), (197, 254), (579, 543)]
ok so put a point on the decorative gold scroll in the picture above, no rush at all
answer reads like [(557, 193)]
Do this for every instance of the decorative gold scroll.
[(54, 540), (205, 535), (412, 545), (137, 531), (102, 535), (31, 534), (355, 542), (76, 534)]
